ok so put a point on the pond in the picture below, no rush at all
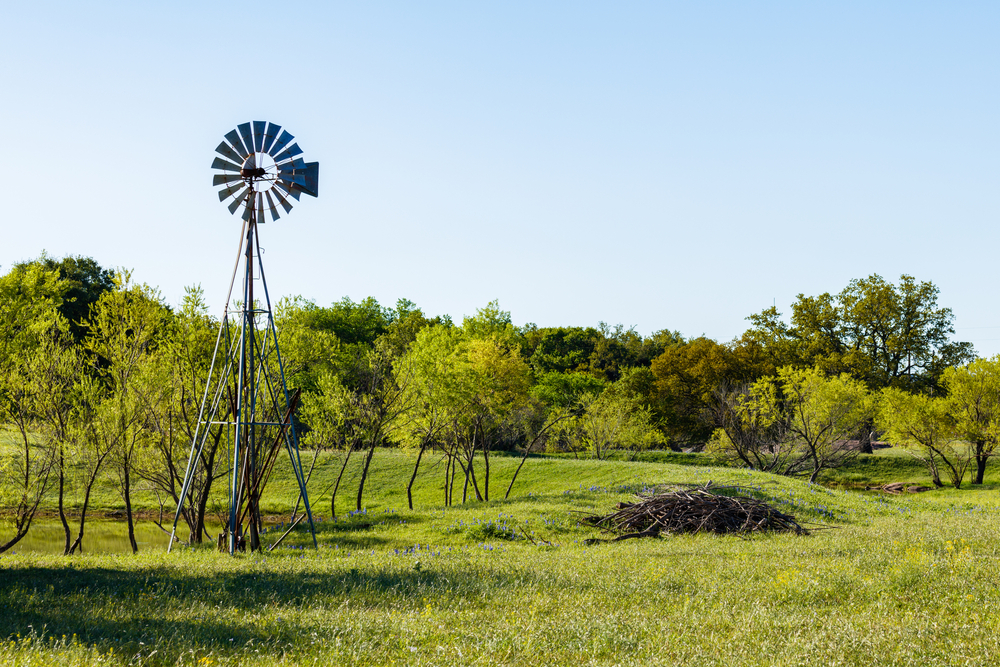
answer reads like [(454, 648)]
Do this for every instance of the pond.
[(100, 535)]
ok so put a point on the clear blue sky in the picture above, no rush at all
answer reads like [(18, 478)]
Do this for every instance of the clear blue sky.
[(663, 165)]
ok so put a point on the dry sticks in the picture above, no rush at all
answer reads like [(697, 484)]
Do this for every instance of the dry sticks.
[(720, 509)]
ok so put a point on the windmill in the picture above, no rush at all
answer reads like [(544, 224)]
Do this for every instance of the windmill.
[(246, 403)]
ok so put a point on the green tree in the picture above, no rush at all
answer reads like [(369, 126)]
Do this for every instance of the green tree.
[(925, 426), (565, 390), (973, 398), (823, 414), (84, 281), (361, 415), (30, 296), (619, 418), (407, 322), (173, 386), (562, 349), (686, 377), (800, 421), (122, 333), (54, 376), (752, 430), (878, 332), (475, 384)]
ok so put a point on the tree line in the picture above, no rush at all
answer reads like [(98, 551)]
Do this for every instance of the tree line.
[(101, 380)]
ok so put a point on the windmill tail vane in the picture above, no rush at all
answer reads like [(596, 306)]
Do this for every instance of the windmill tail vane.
[(247, 409)]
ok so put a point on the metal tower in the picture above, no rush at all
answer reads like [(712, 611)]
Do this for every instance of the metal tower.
[(246, 396)]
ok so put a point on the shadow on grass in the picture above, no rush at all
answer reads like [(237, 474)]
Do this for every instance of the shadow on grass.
[(136, 609)]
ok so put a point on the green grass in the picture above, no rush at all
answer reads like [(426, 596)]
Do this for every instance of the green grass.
[(888, 581)]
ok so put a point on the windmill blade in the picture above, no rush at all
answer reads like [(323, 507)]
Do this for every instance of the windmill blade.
[(270, 136), (234, 139), (260, 209), (289, 188), (289, 152), (236, 202), (251, 162), (281, 200), (270, 206), (226, 193), (293, 176), (288, 165), (280, 143), (222, 179), (247, 135), (224, 149), (258, 134), (219, 163)]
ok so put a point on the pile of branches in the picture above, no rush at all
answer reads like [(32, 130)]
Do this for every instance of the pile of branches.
[(694, 509)]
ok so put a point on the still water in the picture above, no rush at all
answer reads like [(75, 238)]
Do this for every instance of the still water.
[(99, 536)]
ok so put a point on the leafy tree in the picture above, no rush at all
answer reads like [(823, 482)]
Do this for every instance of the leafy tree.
[(614, 421), (309, 348), (406, 323), (474, 384), (30, 296), (361, 415), (498, 383), (823, 414), (925, 426), (88, 447), (563, 349), (123, 331), (25, 471), (55, 375), (798, 422), (880, 333), (434, 365), (686, 377), (179, 368), (84, 281), (752, 431), (973, 398), (565, 390)]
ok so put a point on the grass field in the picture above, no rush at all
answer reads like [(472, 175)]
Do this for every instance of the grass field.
[(883, 581)]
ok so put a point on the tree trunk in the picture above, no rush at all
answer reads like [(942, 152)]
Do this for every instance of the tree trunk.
[(475, 483), (465, 487), (451, 486), (21, 531), (519, 466), (447, 469), (364, 471), (62, 499), (486, 472), (413, 477), (208, 465), (78, 543), (128, 509), (981, 461)]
